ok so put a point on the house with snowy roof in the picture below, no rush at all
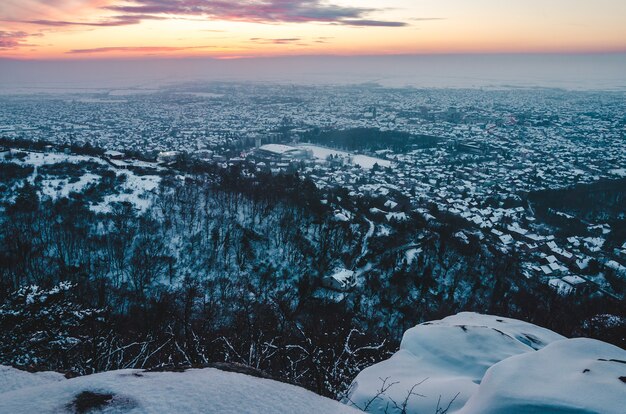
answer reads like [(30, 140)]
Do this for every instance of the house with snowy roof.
[(340, 279)]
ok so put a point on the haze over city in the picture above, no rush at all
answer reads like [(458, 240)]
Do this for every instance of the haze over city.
[(450, 43)]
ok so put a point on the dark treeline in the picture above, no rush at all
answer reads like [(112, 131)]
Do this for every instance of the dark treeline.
[(371, 139), (602, 200), (85, 149)]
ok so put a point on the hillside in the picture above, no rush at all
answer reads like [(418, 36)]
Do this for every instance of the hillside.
[(184, 262)]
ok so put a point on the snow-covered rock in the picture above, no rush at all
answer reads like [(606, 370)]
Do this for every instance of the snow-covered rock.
[(446, 358), (574, 376), (193, 391)]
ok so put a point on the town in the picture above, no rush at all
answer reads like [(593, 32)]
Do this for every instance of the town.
[(491, 158)]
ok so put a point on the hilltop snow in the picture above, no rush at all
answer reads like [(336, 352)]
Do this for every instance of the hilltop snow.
[(13, 379), (136, 391), (529, 370), (577, 376)]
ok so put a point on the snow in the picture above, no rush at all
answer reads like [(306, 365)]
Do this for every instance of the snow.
[(341, 217), (594, 243), (383, 230), (56, 188), (277, 148), (391, 204), (37, 159), (574, 280), (412, 254), (574, 376), (396, 216), (506, 239), (14, 379), (343, 276), (450, 356), (112, 153), (562, 288), (193, 391), (134, 190), (136, 163), (621, 172), (363, 161)]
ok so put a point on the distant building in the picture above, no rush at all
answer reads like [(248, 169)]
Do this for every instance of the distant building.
[(280, 152), (168, 156), (471, 148), (204, 154), (341, 279), (453, 115), (114, 155)]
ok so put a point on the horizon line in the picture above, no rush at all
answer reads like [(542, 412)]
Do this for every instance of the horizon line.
[(321, 55)]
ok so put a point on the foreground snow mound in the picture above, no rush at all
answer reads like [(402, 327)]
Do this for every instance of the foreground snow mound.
[(194, 391), (446, 358), (575, 376), (13, 379)]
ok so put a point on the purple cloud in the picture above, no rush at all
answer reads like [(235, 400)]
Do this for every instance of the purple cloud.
[(121, 20), (262, 11), (372, 23), (12, 40), (282, 41)]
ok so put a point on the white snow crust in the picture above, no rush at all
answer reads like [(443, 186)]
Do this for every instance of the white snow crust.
[(574, 376), (193, 391), (446, 357)]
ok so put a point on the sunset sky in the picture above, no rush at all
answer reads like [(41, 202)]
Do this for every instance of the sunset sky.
[(88, 29)]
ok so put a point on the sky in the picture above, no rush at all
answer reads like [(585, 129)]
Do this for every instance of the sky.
[(226, 29)]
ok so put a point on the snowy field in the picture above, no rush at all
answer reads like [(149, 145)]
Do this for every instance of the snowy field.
[(364, 161)]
